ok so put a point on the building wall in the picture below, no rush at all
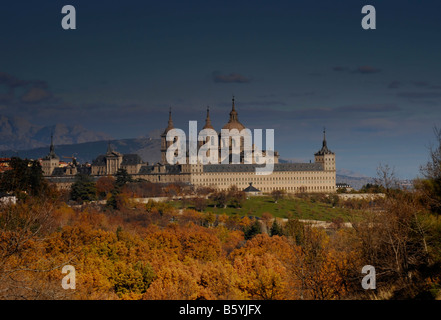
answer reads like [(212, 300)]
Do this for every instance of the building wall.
[(289, 181), (48, 166)]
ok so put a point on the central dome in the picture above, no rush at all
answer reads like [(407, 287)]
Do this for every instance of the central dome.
[(233, 123)]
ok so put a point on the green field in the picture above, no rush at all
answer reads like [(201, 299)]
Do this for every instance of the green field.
[(288, 207)]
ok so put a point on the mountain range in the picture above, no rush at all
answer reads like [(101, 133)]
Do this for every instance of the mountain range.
[(19, 134)]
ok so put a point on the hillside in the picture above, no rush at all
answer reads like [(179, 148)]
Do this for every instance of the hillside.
[(148, 149), (19, 134)]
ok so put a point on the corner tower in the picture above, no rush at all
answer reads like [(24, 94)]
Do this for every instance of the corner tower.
[(325, 156), (164, 143), (51, 161)]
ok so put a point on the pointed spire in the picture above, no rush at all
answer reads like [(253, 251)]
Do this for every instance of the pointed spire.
[(52, 149), (233, 113), (233, 122), (170, 123), (324, 149), (208, 120), (109, 147), (52, 154), (170, 120)]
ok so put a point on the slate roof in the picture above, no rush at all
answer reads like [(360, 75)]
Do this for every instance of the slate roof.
[(128, 159), (99, 161), (169, 169), (278, 167), (250, 188), (131, 159)]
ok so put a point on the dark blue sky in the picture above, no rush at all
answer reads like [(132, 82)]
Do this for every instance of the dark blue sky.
[(294, 66)]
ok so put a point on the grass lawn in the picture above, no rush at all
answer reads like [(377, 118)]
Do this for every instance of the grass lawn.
[(288, 207)]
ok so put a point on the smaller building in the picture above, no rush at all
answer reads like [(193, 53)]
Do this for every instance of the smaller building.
[(252, 191), (343, 187), (112, 161)]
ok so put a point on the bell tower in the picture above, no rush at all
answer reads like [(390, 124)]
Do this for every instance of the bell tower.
[(325, 156), (164, 143)]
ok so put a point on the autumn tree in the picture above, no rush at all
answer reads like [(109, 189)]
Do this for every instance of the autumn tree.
[(277, 195), (200, 203), (104, 186), (236, 197), (26, 270), (220, 198), (430, 184)]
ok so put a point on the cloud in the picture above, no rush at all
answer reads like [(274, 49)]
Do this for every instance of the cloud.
[(420, 84), (419, 95), (360, 70), (367, 70), (230, 78), (35, 95), (35, 91), (340, 69), (10, 81), (369, 108), (394, 84)]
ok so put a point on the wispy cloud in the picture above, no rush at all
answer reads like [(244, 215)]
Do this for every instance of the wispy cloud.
[(24, 91), (366, 69), (394, 84), (229, 78), (419, 95)]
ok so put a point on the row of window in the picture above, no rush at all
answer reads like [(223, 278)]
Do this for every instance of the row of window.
[(271, 179)]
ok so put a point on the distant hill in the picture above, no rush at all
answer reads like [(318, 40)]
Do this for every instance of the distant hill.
[(19, 134), (147, 148), (354, 182)]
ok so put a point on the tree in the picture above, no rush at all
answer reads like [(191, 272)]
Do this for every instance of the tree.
[(23, 176), (83, 189), (220, 198), (252, 230), (277, 195), (105, 186), (200, 203), (122, 177), (237, 198), (276, 230), (372, 188), (430, 185)]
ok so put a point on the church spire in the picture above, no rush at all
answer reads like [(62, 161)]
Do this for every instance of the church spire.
[(51, 148), (170, 122), (233, 113), (233, 122), (324, 149), (208, 120), (109, 147), (52, 154)]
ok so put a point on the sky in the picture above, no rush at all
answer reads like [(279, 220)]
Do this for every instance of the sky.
[(293, 66)]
